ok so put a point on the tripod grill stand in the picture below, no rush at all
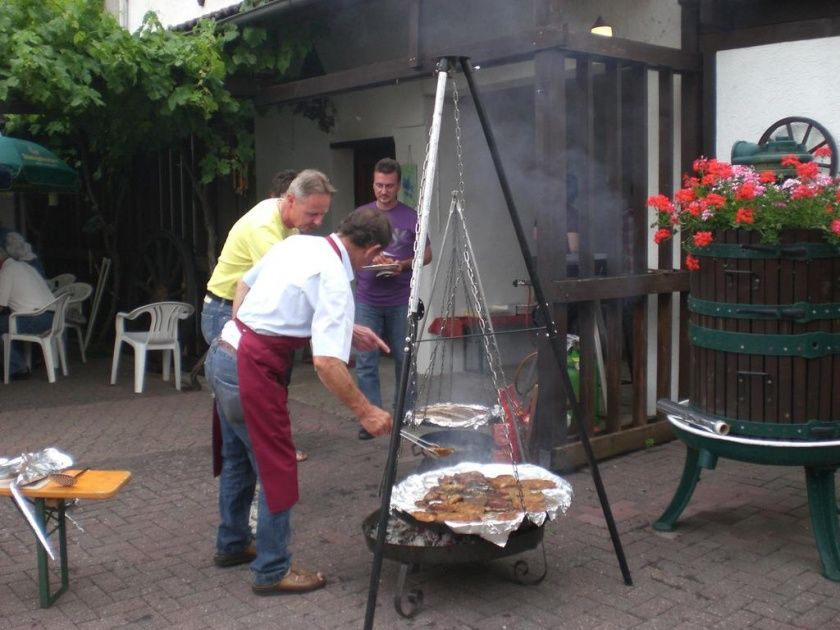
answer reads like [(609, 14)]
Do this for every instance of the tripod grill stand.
[(414, 316)]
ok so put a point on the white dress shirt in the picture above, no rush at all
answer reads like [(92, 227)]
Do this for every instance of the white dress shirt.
[(301, 288), (22, 288)]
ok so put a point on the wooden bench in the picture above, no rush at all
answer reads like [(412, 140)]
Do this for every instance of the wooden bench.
[(50, 500)]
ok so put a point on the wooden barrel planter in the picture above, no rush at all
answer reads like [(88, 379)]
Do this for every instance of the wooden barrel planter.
[(764, 336)]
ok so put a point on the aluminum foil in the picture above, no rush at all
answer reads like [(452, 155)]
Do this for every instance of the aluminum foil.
[(558, 499), (28, 468), (453, 415)]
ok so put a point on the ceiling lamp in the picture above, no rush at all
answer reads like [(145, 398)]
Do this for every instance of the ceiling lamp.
[(600, 27)]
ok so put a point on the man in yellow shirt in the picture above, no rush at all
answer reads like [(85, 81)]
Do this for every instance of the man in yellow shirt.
[(301, 208)]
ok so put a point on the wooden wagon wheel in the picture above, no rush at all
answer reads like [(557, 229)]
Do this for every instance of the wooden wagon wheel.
[(165, 270), (808, 132)]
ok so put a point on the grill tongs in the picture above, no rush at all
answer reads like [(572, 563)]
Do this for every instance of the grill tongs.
[(430, 448)]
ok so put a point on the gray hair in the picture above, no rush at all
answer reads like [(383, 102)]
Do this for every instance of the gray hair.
[(311, 182)]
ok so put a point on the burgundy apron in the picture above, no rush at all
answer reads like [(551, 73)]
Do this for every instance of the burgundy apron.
[(263, 363)]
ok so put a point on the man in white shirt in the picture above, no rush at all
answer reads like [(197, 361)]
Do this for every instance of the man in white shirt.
[(299, 290), (22, 290)]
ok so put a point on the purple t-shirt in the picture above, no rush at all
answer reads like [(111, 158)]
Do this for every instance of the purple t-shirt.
[(393, 291)]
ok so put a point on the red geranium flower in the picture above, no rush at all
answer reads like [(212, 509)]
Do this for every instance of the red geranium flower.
[(723, 197), (808, 170), (685, 195), (695, 208), (661, 235), (744, 215), (661, 203), (823, 151), (745, 192), (723, 170), (692, 263), (715, 200), (703, 239)]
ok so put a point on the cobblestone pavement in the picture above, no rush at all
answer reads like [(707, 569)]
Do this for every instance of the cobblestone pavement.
[(742, 557)]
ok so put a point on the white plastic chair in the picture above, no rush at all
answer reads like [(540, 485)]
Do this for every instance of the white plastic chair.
[(161, 335), (50, 340), (74, 314), (59, 281)]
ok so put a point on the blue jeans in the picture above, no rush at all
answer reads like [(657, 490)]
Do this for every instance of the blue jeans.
[(239, 478), (214, 315), (389, 322), (36, 324)]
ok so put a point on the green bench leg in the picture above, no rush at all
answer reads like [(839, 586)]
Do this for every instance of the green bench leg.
[(690, 477), (823, 506), (44, 515)]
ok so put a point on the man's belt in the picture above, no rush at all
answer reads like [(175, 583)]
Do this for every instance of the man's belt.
[(212, 296)]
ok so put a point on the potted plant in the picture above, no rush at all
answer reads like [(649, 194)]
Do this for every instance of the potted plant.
[(719, 196), (764, 300)]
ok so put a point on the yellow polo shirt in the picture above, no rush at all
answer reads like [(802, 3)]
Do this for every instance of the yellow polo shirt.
[(248, 240)]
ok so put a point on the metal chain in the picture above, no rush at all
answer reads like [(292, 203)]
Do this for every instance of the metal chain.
[(488, 337), (465, 267), (458, 148)]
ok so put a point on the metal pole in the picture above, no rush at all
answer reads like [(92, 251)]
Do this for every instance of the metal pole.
[(542, 305), (428, 179)]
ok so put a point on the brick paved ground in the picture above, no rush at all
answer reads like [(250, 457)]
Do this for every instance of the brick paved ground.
[(743, 557)]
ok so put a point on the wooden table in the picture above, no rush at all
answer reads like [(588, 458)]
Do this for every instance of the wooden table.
[(50, 505)]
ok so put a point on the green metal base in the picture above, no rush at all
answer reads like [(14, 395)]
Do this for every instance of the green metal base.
[(820, 465), (45, 515)]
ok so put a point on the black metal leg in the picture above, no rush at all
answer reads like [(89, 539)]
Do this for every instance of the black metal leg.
[(413, 598), (44, 515), (551, 327), (522, 570), (823, 507)]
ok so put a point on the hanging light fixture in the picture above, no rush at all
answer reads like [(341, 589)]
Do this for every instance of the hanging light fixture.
[(600, 27)]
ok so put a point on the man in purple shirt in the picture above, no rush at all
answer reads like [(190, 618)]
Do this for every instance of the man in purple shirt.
[(382, 298)]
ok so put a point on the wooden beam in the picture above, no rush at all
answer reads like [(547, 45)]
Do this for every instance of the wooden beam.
[(665, 301), (771, 34), (616, 287), (571, 456), (550, 148), (488, 52)]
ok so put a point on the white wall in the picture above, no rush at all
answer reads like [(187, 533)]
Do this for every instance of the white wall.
[(170, 12), (758, 86)]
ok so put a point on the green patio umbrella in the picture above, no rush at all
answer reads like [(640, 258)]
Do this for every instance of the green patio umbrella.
[(26, 166)]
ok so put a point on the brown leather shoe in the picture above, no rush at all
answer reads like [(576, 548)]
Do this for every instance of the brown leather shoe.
[(224, 560), (297, 580)]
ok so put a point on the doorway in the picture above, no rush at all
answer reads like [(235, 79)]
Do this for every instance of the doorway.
[(366, 153)]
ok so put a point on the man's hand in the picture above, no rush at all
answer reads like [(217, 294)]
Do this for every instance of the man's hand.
[(376, 421), (365, 339)]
